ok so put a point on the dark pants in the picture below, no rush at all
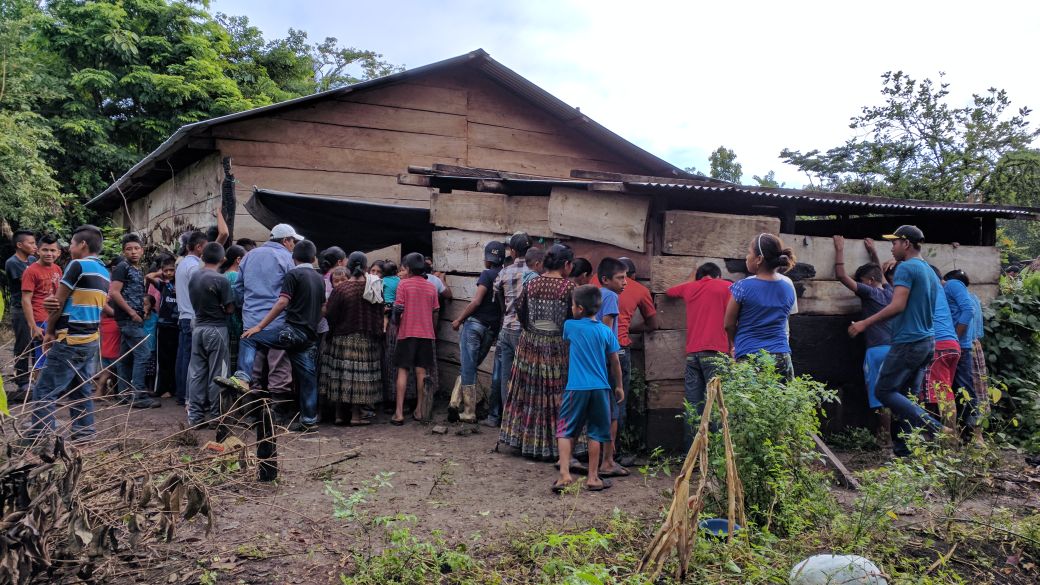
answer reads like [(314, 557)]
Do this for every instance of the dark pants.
[(22, 342), (66, 375), (183, 360), (303, 355), (166, 359), (701, 367), (134, 366), (964, 379), (625, 357), (897, 382), (505, 351)]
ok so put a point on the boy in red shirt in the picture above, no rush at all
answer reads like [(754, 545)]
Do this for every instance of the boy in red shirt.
[(706, 296), (39, 281), (417, 304)]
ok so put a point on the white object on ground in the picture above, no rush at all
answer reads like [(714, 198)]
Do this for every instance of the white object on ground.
[(835, 570)]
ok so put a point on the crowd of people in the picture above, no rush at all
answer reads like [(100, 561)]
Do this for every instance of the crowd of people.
[(329, 333)]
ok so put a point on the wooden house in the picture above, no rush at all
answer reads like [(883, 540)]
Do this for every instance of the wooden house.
[(404, 161)]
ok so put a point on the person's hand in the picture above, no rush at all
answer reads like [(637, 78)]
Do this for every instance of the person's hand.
[(856, 328), (48, 340), (439, 274), (51, 303), (619, 394), (868, 243), (888, 265), (456, 324), (250, 332), (839, 243), (136, 318), (37, 332)]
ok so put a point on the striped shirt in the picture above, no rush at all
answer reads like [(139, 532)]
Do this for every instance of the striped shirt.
[(87, 279), (508, 286)]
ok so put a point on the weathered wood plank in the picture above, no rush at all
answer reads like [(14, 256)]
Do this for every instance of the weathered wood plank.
[(448, 372), (826, 297), (665, 394), (985, 292), (668, 271), (981, 263), (476, 212), (547, 165), (671, 313), (596, 251), (463, 287), (333, 136), (414, 96), (461, 251), (388, 253), (380, 117), (452, 309), (445, 332), (529, 214), (296, 156), (718, 235), (613, 219), (449, 351), (559, 144), (329, 183), (665, 354)]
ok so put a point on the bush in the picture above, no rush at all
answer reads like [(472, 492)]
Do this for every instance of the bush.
[(771, 425)]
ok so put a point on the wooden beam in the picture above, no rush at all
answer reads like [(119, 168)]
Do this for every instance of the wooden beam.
[(461, 251), (719, 235), (665, 394), (671, 313), (601, 217), (842, 474), (665, 354), (668, 271), (463, 288), (415, 180)]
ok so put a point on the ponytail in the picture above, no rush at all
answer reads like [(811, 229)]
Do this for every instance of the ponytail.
[(558, 256), (330, 257), (357, 263), (773, 252)]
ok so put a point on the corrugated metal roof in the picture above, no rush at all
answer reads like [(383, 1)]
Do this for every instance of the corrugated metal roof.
[(479, 59)]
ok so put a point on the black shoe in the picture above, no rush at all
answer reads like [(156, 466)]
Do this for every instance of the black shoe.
[(144, 402), (299, 427)]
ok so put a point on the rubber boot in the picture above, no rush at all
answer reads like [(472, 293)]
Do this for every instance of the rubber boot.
[(469, 404), (455, 404)]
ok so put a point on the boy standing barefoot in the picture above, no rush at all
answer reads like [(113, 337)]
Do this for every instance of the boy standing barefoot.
[(587, 397)]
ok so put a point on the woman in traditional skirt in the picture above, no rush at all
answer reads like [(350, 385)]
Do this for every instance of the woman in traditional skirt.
[(351, 359), (539, 372)]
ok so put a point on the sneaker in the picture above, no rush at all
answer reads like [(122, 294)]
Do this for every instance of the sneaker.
[(491, 422), (233, 383), (144, 402)]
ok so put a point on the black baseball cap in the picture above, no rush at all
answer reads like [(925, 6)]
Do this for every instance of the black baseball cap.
[(520, 241), (906, 232), (495, 252)]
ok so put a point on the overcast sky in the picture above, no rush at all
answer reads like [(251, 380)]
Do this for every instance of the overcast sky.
[(681, 78)]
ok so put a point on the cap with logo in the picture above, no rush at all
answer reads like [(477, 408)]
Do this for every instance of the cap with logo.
[(284, 230), (495, 252), (906, 232)]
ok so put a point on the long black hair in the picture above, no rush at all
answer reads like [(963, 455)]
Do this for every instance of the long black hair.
[(233, 253), (773, 252), (330, 257), (357, 263), (558, 256)]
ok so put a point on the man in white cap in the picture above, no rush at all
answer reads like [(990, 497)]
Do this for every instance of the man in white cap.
[(258, 287)]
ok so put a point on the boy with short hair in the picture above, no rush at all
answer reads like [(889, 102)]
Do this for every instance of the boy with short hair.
[(533, 259), (24, 255), (587, 399), (39, 281), (213, 301), (71, 339), (127, 294), (875, 293), (963, 309), (612, 275), (418, 302), (706, 295)]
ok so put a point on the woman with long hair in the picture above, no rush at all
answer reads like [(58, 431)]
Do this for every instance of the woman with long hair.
[(539, 372), (229, 268), (351, 358)]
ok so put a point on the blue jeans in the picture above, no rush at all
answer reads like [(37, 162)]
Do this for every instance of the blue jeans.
[(625, 357), (303, 354), (897, 381), (183, 359), (134, 366), (505, 351), (963, 378), (701, 367), (474, 344), (68, 366)]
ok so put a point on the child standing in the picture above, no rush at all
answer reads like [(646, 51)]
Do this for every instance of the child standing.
[(612, 275), (167, 331), (418, 302), (110, 342), (39, 281), (150, 324), (212, 299), (756, 316), (587, 397)]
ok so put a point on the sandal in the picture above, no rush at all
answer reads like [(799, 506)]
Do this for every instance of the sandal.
[(360, 423), (559, 488), (598, 488), (618, 471), (397, 422)]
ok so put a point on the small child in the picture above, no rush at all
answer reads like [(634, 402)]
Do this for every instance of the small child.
[(110, 342), (587, 397), (338, 276), (418, 300), (534, 259), (581, 272), (391, 278), (150, 324), (376, 269)]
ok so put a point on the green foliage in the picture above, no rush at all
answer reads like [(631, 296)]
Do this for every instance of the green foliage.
[(854, 439), (1012, 345), (346, 507), (917, 146), (724, 165), (768, 180), (771, 425)]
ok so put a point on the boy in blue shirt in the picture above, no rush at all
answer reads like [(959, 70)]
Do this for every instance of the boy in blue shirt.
[(913, 335), (963, 310), (587, 397)]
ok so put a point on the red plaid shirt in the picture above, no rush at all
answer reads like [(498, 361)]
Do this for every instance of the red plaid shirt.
[(419, 299)]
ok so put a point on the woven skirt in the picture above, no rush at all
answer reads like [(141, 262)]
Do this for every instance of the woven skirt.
[(536, 384), (351, 369), (980, 376)]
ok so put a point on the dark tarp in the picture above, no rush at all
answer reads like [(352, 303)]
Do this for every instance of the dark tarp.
[(347, 223)]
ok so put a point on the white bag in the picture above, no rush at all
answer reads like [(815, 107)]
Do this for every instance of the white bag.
[(373, 289)]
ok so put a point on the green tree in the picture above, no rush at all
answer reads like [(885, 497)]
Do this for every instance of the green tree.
[(724, 165), (768, 180)]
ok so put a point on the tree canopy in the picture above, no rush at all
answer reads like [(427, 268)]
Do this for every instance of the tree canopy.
[(90, 87)]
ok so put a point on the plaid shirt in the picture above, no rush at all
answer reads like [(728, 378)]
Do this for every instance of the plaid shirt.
[(508, 286), (419, 299)]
